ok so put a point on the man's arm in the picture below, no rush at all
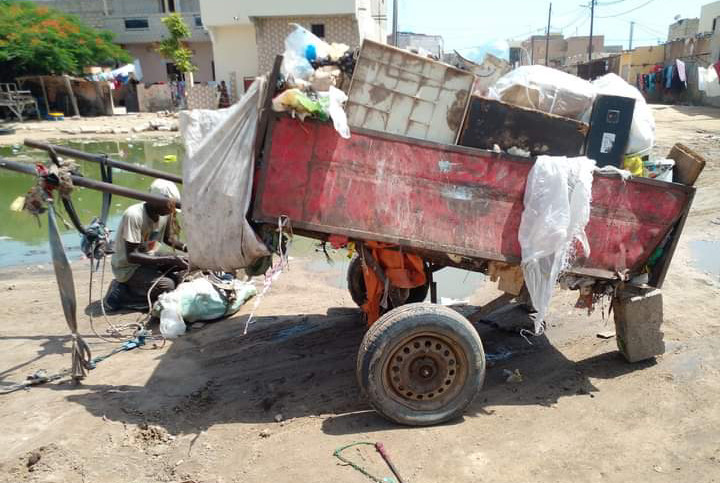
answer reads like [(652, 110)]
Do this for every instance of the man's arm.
[(134, 255), (170, 240)]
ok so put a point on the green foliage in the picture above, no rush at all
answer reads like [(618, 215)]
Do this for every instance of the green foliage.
[(39, 40), (172, 48)]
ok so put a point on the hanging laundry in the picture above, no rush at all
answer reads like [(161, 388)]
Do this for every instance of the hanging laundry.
[(702, 72), (716, 65), (681, 71), (712, 85), (668, 75)]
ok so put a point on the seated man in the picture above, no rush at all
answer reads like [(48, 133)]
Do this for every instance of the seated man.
[(136, 266)]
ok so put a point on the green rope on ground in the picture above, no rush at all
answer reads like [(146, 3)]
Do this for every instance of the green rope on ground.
[(359, 468)]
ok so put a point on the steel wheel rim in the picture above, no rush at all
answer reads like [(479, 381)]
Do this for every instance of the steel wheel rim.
[(425, 371)]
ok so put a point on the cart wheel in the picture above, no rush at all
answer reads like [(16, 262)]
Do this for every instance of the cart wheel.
[(421, 364), (358, 292)]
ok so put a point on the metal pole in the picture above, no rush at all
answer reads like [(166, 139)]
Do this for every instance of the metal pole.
[(547, 37), (632, 25), (395, 23), (592, 18), (95, 158), (532, 50), (92, 184)]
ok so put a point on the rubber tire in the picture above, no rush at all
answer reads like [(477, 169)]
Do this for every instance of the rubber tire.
[(356, 285), (397, 325)]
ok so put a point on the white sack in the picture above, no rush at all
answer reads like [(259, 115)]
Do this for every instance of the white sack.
[(557, 209), (217, 183), (546, 89), (642, 130)]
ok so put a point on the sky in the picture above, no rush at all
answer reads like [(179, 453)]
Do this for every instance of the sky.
[(476, 26)]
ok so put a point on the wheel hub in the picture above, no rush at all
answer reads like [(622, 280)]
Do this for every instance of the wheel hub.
[(423, 368)]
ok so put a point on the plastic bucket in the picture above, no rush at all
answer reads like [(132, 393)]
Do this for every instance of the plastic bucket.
[(660, 169)]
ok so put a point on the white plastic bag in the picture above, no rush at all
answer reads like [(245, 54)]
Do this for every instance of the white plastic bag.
[(642, 130), (557, 209), (217, 183), (300, 45), (546, 89), (172, 324), (337, 98)]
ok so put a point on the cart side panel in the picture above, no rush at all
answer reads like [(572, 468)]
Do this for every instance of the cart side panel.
[(444, 198)]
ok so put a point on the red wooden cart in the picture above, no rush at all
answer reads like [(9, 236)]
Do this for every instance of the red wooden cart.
[(453, 206)]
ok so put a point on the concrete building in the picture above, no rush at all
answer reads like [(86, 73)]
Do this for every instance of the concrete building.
[(684, 28), (246, 35), (535, 49), (709, 17), (410, 40), (563, 51), (137, 27)]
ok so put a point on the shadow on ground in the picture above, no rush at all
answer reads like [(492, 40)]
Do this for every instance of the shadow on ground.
[(304, 365)]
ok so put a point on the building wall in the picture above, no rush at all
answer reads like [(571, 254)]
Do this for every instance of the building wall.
[(683, 28), (154, 65), (536, 48), (708, 13), (238, 12), (579, 45), (432, 43), (271, 32), (235, 54)]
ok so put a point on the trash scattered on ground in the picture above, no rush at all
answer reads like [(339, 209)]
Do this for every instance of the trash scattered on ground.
[(380, 448), (513, 376), (278, 418), (265, 433), (608, 334)]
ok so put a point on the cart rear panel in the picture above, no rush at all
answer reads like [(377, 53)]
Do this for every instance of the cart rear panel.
[(449, 199)]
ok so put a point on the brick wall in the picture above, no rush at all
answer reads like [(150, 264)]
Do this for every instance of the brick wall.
[(270, 33)]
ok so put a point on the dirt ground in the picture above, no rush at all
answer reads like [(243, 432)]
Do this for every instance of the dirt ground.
[(103, 127), (204, 408)]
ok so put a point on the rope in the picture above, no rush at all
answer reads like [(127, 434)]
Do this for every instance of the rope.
[(338, 454), (274, 272)]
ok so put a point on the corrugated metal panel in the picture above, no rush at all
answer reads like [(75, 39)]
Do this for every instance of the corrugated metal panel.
[(402, 93)]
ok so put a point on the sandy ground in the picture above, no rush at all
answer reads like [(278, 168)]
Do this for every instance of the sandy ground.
[(203, 408), (103, 127)]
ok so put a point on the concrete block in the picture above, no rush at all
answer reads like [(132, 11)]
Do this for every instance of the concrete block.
[(637, 324)]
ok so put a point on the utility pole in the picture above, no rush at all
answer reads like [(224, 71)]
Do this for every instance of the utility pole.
[(547, 37), (592, 18), (632, 25), (532, 49), (395, 23)]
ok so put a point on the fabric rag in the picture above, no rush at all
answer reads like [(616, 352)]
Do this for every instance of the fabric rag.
[(403, 270)]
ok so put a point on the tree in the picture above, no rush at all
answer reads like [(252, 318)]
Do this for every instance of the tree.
[(174, 49), (39, 40)]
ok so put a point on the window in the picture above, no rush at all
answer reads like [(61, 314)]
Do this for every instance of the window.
[(318, 29), (136, 24), (198, 21), (170, 6)]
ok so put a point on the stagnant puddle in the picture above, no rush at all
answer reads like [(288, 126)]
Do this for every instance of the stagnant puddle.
[(24, 239), (706, 257)]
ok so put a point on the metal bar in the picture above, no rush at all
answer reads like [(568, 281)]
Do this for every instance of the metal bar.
[(96, 158), (491, 307), (660, 270), (92, 184)]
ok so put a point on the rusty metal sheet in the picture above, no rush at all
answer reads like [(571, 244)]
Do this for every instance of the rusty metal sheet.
[(398, 92), (448, 199)]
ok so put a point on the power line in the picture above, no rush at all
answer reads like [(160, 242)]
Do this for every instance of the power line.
[(627, 11)]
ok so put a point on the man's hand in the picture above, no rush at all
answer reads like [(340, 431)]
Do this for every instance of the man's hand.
[(181, 262)]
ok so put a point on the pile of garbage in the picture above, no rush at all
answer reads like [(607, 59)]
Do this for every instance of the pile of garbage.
[(313, 73)]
